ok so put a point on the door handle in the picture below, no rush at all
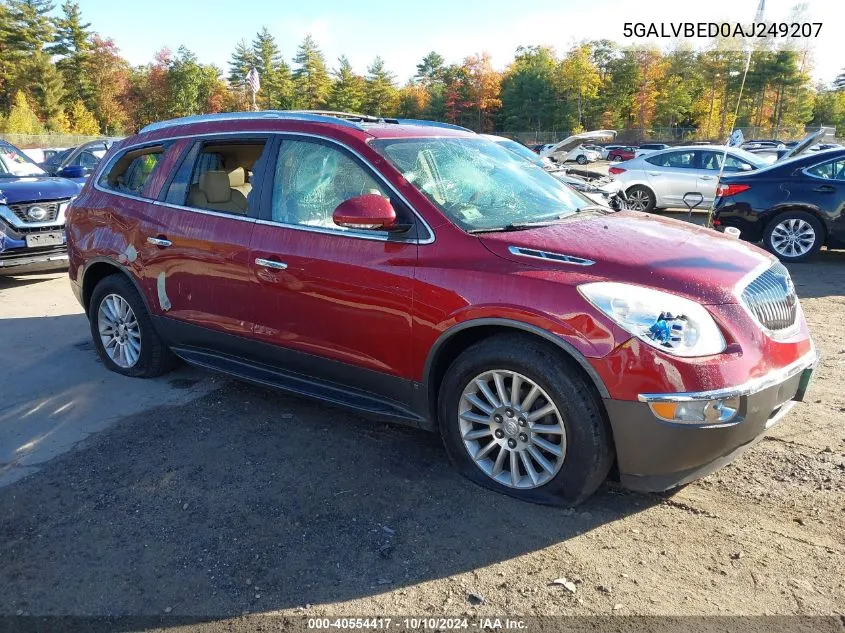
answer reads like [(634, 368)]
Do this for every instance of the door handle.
[(270, 263), (825, 189), (654, 173), (706, 177), (159, 241)]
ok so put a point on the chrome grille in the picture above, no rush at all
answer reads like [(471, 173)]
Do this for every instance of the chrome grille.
[(51, 209), (771, 299)]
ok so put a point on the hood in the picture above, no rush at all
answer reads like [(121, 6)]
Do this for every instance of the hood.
[(802, 145), (571, 142), (36, 188), (647, 250)]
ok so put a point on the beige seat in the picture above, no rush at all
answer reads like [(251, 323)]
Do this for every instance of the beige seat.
[(215, 193), (240, 187)]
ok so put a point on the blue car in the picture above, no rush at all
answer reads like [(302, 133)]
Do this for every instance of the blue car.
[(32, 215)]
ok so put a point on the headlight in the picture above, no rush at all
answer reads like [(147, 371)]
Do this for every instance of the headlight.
[(670, 323)]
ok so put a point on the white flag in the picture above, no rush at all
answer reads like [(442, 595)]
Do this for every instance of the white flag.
[(760, 8), (253, 80), (736, 139)]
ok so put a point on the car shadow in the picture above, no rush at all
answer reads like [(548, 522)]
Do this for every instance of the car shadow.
[(249, 500), (13, 281), (821, 276)]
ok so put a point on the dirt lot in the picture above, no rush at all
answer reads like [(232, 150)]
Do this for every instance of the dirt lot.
[(242, 499)]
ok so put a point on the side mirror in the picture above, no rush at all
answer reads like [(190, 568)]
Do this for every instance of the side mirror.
[(367, 212), (72, 171)]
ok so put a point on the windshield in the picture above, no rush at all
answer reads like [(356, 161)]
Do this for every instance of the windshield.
[(14, 163), (477, 183), (520, 150)]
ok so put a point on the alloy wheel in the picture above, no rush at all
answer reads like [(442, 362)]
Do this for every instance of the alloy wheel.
[(793, 237), (638, 200), (119, 330), (512, 429)]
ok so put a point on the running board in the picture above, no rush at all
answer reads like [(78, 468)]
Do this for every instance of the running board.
[(299, 384)]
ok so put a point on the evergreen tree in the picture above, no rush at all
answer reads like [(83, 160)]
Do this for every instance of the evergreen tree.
[(72, 43), (22, 119), (185, 79), (347, 94), (59, 123), (47, 85), (274, 73), (839, 82), (430, 69), (381, 98), (82, 121), (242, 60), (31, 26), (311, 79)]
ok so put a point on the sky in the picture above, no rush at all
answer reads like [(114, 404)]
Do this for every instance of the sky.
[(403, 32)]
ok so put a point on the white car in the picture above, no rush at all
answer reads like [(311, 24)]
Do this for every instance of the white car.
[(661, 178), (648, 148), (571, 148)]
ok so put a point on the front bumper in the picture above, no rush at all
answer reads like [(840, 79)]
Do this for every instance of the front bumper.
[(23, 263), (656, 455)]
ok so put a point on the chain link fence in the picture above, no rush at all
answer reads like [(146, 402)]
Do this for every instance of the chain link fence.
[(44, 141)]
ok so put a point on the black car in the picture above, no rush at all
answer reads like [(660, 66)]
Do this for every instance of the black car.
[(795, 206)]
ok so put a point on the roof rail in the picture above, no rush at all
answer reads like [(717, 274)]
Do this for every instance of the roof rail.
[(297, 115), (423, 122), (348, 119)]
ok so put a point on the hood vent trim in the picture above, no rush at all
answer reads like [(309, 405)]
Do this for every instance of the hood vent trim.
[(548, 256)]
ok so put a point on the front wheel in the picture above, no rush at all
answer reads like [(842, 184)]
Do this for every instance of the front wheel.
[(519, 419), (794, 236), (616, 158)]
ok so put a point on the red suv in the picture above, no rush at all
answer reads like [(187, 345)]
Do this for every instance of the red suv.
[(417, 272), (621, 153)]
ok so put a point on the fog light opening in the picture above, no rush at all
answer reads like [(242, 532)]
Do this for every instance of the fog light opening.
[(719, 411)]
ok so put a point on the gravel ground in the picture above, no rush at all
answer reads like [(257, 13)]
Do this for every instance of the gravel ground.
[(246, 500)]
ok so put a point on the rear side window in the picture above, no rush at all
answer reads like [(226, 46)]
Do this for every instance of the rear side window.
[(131, 171), (673, 159), (218, 175), (831, 170)]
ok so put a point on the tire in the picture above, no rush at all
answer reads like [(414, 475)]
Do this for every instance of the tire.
[(153, 358), (616, 158), (581, 159), (641, 198), (794, 236), (585, 445)]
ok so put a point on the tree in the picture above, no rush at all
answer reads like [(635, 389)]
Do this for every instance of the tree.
[(82, 121), (430, 69), (310, 77), (381, 98), (59, 123), (414, 101), (580, 81), (31, 25), (72, 43), (47, 86), (22, 119), (483, 86), (242, 60), (276, 82), (109, 72), (528, 90), (184, 79), (347, 94), (839, 82)]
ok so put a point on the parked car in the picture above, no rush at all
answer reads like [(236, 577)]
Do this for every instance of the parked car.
[(77, 163), (795, 206), (648, 148), (426, 275), (621, 153), (598, 188), (660, 179), (762, 144), (605, 150), (32, 215), (571, 148)]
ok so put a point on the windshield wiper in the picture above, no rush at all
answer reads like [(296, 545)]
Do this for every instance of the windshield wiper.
[(521, 226), (594, 207)]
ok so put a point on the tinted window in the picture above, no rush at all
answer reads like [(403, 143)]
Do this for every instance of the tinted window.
[(713, 162), (217, 175), (831, 170), (312, 179), (684, 159), (131, 171)]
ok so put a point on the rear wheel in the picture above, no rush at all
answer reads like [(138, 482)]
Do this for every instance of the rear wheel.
[(616, 158), (640, 198), (517, 418), (581, 159), (794, 236), (123, 333)]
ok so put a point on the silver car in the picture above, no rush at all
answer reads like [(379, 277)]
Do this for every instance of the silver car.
[(660, 179)]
